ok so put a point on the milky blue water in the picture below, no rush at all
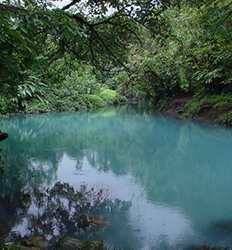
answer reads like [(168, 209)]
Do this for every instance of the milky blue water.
[(176, 175)]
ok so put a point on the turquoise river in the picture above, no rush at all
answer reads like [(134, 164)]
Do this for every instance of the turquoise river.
[(175, 175)]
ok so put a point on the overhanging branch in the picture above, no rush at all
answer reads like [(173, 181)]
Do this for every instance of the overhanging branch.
[(91, 27), (72, 3)]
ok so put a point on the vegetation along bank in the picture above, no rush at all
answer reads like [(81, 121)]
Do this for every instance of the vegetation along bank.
[(175, 55)]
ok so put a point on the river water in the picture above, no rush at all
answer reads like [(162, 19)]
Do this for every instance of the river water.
[(175, 175)]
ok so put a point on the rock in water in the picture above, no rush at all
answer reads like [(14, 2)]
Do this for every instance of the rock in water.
[(3, 136), (68, 243), (35, 242)]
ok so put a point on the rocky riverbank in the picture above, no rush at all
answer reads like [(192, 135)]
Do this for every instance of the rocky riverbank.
[(65, 243), (216, 109)]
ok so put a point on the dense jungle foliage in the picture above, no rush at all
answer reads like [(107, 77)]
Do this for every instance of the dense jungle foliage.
[(176, 55)]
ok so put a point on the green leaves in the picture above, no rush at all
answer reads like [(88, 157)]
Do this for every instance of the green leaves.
[(183, 46), (189, 49), (31, 88)]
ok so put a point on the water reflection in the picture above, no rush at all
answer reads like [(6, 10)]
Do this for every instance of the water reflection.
[(151, 223), (177, 175)]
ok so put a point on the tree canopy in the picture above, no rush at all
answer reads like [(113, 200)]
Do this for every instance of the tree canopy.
[(152, 49)]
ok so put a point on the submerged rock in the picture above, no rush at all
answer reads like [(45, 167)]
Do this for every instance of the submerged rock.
[(3, 136), (224, 226), (37, 242), (27, 243), (68, 243), (65, 243), (18, 247)]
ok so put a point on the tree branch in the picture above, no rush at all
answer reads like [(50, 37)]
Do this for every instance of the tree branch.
[(111, 54), (90, 26), (70, 4)]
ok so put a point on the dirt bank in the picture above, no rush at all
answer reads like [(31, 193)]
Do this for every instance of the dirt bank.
[(210, 109)]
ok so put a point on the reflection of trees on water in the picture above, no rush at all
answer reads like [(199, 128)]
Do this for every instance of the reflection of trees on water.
[(27, 163), (34, 149), (178, 163), (167, 157), (60, 211), (63, 211)]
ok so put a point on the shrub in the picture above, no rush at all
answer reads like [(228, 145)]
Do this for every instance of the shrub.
[(108, 95), (6, 105), (95, 101)]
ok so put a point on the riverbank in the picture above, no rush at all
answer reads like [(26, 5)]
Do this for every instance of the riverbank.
[(215, 109), (73, 102)]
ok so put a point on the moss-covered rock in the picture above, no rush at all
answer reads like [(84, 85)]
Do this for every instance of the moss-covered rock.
[(35, 241), (16, 247), (28, 243), (68, 243)]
